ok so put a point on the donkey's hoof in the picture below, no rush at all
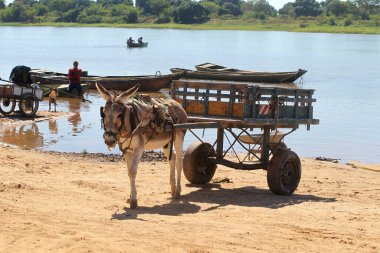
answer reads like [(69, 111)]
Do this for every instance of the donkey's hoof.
[(176, 195), (133, 204)]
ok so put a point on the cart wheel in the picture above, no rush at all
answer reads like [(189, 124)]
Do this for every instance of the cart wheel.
[(278, 147), (197, 166), (284, 172), (7, 105), (28, 105)]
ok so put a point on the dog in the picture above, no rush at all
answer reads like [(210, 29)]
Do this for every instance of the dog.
[(53, 99)]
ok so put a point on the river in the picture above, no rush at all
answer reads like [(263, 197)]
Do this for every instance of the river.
[(344, 70)]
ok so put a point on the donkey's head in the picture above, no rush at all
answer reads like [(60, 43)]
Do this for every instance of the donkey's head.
[(116, 114)]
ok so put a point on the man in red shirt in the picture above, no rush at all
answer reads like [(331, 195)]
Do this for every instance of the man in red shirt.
[(74, 77)]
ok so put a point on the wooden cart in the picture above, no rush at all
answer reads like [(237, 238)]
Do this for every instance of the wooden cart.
[(27, 98), (249, 116)]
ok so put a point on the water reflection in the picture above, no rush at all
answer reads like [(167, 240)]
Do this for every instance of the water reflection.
[(74, 106), (27, 136), (53, 127), (75, 121)]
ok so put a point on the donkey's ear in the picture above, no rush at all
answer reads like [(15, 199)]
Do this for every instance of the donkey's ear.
[(123, 97), (103, 92)]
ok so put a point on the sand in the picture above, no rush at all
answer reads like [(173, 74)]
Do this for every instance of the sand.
[(53, 202)]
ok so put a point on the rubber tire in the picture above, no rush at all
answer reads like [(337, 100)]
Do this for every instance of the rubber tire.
[(24, 103), (284, 172), (197, 166), (278, 147), (12, 103)]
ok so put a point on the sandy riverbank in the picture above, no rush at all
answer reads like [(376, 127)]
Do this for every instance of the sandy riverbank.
[(52, 202)]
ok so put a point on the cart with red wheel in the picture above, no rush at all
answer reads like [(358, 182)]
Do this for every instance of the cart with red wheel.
[(27, 99), (252, 121)]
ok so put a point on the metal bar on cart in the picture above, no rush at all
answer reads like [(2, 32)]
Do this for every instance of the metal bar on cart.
[(183, 126), (219, 143), (239, 166), (265, 147)]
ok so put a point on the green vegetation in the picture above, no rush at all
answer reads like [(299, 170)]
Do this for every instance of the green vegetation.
[(335, 16)]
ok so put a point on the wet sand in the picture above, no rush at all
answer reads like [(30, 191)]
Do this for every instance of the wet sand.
[(55, 202), (17, 119)]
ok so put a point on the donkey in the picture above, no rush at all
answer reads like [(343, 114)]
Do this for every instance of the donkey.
[(134, 122)]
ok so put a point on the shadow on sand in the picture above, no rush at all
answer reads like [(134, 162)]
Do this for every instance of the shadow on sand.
[(218, 196)]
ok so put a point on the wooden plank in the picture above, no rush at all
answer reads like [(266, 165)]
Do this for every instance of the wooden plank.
[(275, 137), (184, 104), (201, 94), (203, 85), (230, 102), (215, 108), (6, 91), (224, 85), (206, 102), (254, 123), (197, 118), (238, 83)]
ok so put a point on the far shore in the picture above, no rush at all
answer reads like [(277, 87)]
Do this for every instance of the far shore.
[(309, 26)]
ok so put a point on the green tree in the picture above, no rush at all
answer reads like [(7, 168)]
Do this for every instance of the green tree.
[(235, 2), (230, 8), (189, 12), (92, 14), (259, 9), (340, 8), (144, 5), (125, 12), (158, 6), (308, 8), (2, 4), (287, 9), (41, 9), (59, 6), (114, 2), (368, 6), (211, 7), (165, 16), (18, 11), (82, 3), (70, 16), (131, 16)]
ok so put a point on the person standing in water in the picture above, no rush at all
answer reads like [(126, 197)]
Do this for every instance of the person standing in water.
[(74, 76)]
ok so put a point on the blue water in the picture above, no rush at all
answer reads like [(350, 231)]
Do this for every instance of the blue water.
[(343, 69)]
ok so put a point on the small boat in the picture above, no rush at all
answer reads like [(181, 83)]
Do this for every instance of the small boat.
[(50, 77), (138, 44), (148, 83), (239, 75), (62, 90), (218, 68)]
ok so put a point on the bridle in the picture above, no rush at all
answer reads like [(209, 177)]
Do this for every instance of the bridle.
[(111, 132), (134, 123)]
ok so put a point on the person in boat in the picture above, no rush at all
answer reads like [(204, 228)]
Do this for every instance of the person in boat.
[(74, 79), (140, 40), (130, 40)]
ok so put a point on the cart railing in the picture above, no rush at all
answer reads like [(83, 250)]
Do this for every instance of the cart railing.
[(245, 104), (17, 91)]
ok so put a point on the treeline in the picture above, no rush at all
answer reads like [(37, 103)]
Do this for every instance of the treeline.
[(181, 11)]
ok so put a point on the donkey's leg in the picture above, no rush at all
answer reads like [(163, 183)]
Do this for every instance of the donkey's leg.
[(133, 162), (178, 144), (172, 167)]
